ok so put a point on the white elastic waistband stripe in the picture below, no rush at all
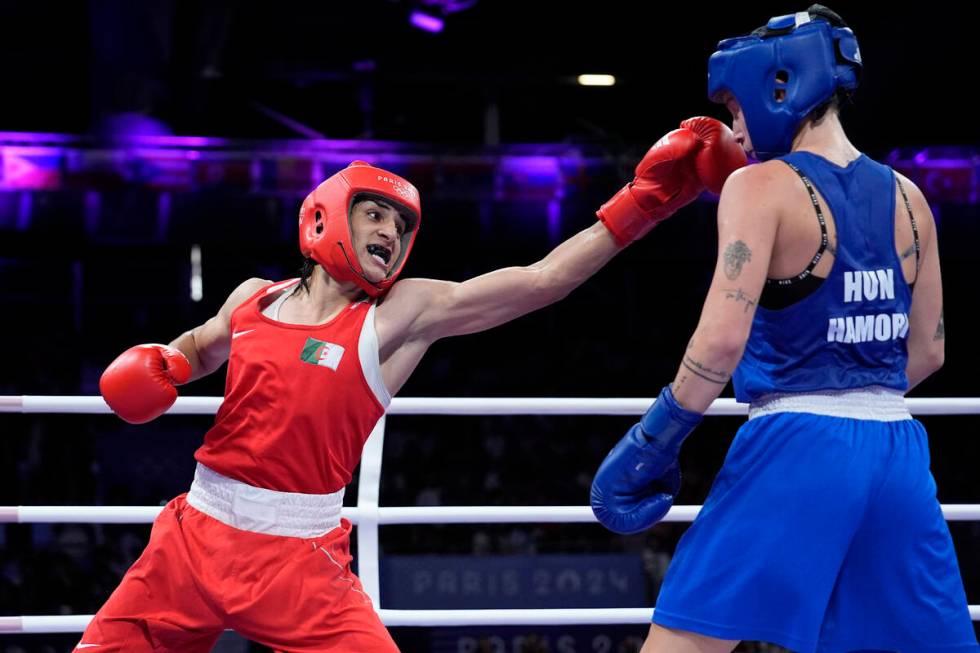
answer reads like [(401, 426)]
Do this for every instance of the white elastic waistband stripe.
[(874, 403), (259, 510)]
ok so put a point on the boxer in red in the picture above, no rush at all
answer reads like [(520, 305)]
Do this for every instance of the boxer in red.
[(257, 544)]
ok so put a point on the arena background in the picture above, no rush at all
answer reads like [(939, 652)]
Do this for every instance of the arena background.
[(135, 133)]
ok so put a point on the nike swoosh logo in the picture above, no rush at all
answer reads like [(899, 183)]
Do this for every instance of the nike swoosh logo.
[(87, 646), (241, 333)]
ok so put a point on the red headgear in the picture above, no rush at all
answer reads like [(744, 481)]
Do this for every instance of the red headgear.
[(324, 221)]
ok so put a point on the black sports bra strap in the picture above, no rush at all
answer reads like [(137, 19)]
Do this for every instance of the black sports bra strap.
[(824, 239), (915, 226)]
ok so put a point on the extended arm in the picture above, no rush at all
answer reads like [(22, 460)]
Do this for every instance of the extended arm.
[(669, 177)]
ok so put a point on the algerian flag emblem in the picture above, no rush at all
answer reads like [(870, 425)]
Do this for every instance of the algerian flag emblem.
[(318, 352)]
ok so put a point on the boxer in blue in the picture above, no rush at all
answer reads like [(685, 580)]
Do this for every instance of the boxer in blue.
[(822, 531)]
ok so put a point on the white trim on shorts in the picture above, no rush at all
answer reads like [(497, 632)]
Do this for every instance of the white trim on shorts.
[(873, 403), (259, 510)]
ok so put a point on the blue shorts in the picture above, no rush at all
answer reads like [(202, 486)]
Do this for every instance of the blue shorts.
[(822, 534)]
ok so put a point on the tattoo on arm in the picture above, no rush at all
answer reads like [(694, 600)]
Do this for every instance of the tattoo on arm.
[(740, 296), (736, 255), (679, 383), (941, 329), (706, 373), (909, 252)]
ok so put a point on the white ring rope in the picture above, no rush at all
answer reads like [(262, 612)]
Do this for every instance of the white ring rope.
[(371, 516), (417, 618), (388, 515), (463, 405)]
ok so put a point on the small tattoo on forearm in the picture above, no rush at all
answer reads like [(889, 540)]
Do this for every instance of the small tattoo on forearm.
[(706, 373), (737, 254), (941, 329), (740, 296), (909, 252)]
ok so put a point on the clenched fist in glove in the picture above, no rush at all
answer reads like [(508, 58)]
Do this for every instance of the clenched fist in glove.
[(639, 479), (702, 153), (139, 384)]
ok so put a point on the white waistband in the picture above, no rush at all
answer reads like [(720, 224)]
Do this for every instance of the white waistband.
[(260, 510), (873, 403)]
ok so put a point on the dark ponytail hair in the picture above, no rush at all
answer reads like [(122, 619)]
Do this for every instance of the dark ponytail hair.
[(306, 273)]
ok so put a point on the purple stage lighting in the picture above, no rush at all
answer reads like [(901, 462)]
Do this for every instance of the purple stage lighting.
[(426, 22)]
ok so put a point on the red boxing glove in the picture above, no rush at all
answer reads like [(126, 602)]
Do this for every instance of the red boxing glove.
[(719, 154), (139, 384), (665, 181)]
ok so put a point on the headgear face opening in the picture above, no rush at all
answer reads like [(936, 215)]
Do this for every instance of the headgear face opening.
[(324, 222), (783, 71)]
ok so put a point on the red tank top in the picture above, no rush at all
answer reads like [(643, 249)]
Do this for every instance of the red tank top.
[(299, 402)]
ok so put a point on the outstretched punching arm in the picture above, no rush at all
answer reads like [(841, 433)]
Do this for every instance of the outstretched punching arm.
[(672, 174)]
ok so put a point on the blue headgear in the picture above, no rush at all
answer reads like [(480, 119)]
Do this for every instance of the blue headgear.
[(782, 72)]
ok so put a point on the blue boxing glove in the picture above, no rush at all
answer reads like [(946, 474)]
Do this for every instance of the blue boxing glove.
[(637, 482)]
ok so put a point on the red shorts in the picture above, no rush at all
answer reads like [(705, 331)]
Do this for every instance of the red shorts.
[(198, 577)]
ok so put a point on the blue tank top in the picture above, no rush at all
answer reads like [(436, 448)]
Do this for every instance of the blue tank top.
[(852, 331)]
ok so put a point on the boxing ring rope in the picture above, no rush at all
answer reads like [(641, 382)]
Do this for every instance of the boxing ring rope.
[(417, 618), (368, 515), (386, 516), (462, 405)]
